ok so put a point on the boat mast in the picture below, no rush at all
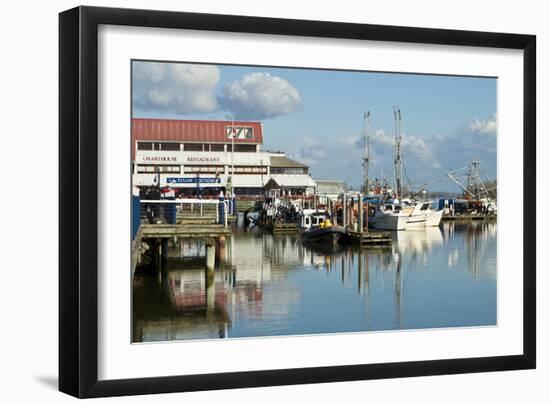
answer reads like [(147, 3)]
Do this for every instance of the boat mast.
[(475, 187), (366, 153), (398, 164)]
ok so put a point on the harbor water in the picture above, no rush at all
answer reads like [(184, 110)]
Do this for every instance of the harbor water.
[(274, 285)]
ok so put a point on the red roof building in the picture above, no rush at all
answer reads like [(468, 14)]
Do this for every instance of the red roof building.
[(196, 131)]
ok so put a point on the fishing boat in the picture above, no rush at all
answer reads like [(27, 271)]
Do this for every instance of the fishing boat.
[(422, 214), (434, 217), (389, 216), (318, 229)]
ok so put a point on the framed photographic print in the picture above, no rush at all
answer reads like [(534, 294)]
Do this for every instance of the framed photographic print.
[(250, 201)]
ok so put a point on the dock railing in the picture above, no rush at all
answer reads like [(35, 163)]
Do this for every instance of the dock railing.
[(168, 211)]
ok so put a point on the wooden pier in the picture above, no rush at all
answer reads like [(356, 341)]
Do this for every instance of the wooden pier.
[(468, 218), (184, 231), (201, 220), (159, 234), (285, 228), (196, 220), (363, 236), (368, 238)]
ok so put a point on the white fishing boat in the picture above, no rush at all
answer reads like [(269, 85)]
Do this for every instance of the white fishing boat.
[(389, 216), (434, 218), (423, 215)]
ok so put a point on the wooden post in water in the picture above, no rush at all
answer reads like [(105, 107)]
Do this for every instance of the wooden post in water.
[(360, 213), (209, 274), (367, 216), (163, 254), (359, 270), (344, 211), (220, 249), (351, 216), (156, 255)]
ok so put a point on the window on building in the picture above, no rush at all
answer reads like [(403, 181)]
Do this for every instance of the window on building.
[(239, 132), (160, 168), (172, 146), (203, 169), (288, 170), (145, 146), (246, 148), (216, 147), (249, 170), (146, 169), (192, 147)]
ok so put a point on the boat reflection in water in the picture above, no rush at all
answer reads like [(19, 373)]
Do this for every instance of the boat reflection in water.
[(266, 285)]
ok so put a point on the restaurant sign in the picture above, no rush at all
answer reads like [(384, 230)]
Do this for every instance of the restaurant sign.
[(193, 180)]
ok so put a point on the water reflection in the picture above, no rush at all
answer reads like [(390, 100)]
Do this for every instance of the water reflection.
[(268, 285)]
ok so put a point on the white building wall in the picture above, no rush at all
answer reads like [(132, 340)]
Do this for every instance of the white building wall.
[(224, 159)]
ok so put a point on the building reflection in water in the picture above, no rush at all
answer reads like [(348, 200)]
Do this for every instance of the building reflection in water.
[(275, 285)]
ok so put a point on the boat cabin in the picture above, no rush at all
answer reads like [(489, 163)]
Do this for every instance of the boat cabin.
[(312, 218), (390, 207)]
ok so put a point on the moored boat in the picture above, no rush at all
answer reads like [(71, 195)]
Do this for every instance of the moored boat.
[(423, 215), (318, 228), (389, 216), (325, 235), (434, 218)]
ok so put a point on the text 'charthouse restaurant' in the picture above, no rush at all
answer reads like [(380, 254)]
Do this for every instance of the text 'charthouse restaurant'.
[(205, 157)]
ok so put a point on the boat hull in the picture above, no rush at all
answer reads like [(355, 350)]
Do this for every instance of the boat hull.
[(327, 235), (388, 222), (434, 219), (430, 218), (416, 221)]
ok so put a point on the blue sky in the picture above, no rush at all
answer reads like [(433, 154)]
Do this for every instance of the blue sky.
[(316, 116)]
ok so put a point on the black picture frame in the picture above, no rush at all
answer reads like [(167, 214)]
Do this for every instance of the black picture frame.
[(78, 196)]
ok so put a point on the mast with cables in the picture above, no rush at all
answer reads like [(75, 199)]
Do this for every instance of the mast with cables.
[(474, 187), (366, 153), (398, 163)]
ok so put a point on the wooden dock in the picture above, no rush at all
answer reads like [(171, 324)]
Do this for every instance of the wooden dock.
[(468, 218), (370, 238), (191, 220), (184, 231), (196, 220), (285, 228), (157, 235)]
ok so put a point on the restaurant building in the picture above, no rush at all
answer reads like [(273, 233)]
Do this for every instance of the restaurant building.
[(199, 158)]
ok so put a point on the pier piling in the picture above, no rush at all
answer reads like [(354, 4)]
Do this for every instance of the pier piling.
[(210, 246), (164, 254), (360, 213), (344, 211), (210, 254)]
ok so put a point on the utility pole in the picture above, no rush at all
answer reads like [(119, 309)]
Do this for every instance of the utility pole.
[(398, 164), (229, 186), (366, 153)]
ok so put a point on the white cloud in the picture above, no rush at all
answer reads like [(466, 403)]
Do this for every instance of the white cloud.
[(175, 87), (413, 147), (260, 96), (311, 151), (180, 88), (426, 158), (486, 126)]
